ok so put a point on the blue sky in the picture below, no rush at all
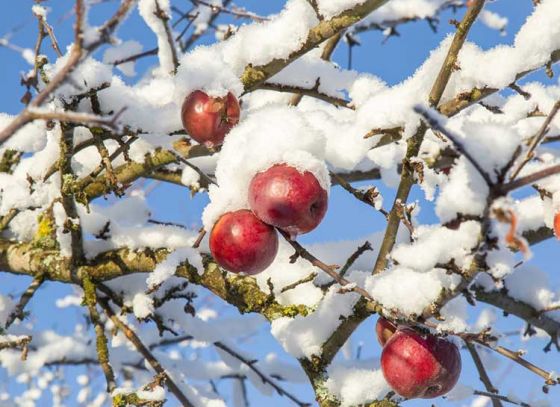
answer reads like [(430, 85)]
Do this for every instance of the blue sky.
[(393, 61)]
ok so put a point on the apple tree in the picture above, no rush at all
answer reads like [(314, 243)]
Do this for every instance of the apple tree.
[(251, 114)]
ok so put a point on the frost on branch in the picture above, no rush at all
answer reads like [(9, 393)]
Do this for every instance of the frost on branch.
[(461, 165)]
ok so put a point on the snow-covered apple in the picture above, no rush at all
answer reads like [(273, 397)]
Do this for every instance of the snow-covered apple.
[(290, 199), (420, 366), (384, 330), (240, 242), (208, 119)]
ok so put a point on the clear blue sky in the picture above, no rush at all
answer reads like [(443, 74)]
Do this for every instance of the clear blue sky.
[(392, 61)]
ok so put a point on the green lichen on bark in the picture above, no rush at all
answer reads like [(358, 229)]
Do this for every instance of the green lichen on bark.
[(10, 158), (45, 236), (124, 400)]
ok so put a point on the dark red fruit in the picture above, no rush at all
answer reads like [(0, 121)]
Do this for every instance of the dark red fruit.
[(240, 242), (420, 366), (208, 119), (291, 200), (384, 329)]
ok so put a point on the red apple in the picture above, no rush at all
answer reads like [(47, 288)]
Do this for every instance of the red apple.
[(208, 119), (384, 329), (557, 225), (420, 366), (240, 242), (291, 200)]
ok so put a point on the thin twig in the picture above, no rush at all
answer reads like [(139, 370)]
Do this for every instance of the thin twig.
[(234, 12), (516, 357), (528, 179), (199, 33), (483, 375), (366, 197), (536, 140), (145, 352), (300, 251), (49, 31), (355, 256), (265, 379), (434, 123), (79, 118), (313, 92), (304, 280), (201, 234), (500, 398), (17, 313), (76, 57)]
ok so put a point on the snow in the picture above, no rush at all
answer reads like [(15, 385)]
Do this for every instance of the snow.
[(123, 51), (530, 285), (142, 306), (303, 336), (493, 20), (39, 10), (438, 245), (189, 177), (352, 386), (407, 291), (149, 10), (464, 182), (167, 268), (155, 394)]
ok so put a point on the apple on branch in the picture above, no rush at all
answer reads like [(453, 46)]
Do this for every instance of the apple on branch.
[(208, 119), (420, 366), (288, 199), (240, 242)]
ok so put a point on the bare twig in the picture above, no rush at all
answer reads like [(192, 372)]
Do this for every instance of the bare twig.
[(201, 234), (265, 379), (17, 313), (193, 38), (482, 373), (528, 179), (300, 251), (516, 357), (145, 352), (313, 92), (76, 56), (366, 197), (435, 124), (304, 280), (355, 256), (79, 118), (536, 140), (49, 31), (236, 12), (499, 398)]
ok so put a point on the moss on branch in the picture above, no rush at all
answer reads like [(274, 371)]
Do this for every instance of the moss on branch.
[(240, 291)]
